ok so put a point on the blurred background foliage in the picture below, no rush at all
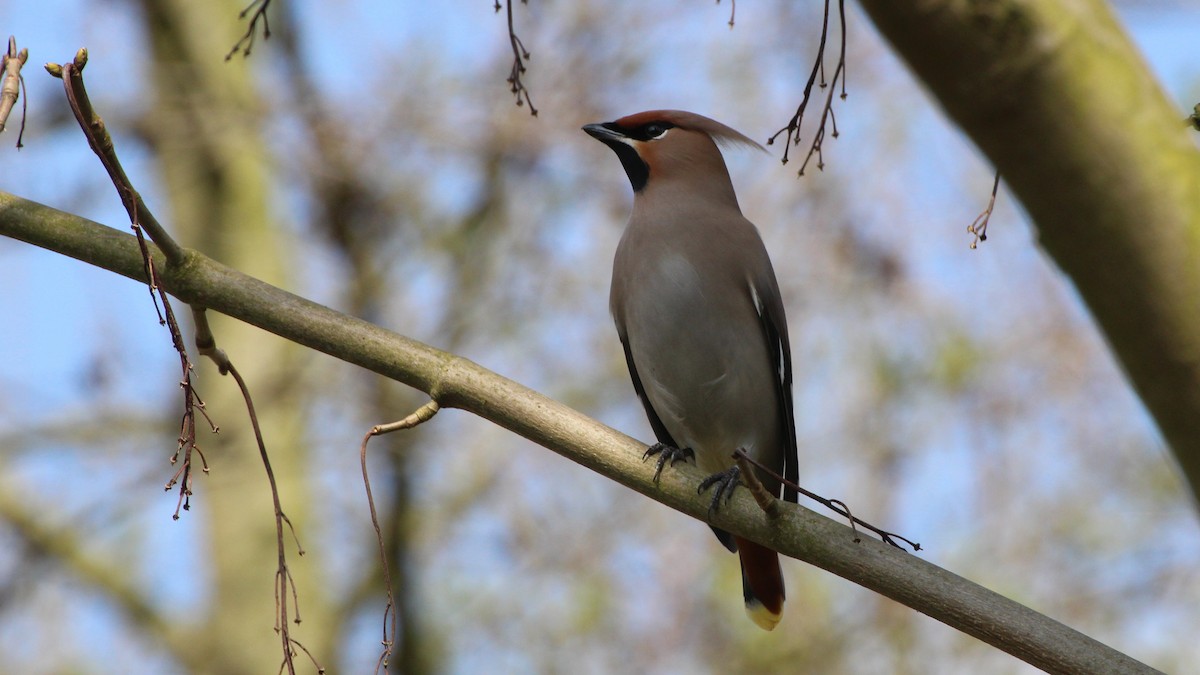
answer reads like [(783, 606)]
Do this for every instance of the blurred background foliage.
[(369, 156)]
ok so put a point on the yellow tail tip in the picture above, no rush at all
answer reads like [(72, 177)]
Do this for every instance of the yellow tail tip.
[(761, 616)]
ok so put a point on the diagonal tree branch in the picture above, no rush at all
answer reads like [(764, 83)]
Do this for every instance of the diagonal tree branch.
[(455, 382)]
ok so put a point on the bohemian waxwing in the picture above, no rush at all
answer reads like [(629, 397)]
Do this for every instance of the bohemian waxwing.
[(699, 314)]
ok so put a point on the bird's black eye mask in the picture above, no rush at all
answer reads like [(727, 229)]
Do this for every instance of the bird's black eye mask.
[(645, 132), (649, 131), (635, 167)]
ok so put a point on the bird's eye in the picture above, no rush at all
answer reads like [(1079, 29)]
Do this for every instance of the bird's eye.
[(655, 130)]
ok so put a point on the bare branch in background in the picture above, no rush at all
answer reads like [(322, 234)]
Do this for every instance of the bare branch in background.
[(732, 10), (11, 63), (979, 226), (459, 383), (285, 585), (102, 144), (520, 56), (836, 505), (246, 42), (422, 414), (142, 221), (828, 120)]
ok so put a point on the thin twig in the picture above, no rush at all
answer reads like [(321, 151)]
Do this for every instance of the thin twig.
[(916, 583), (520, 56), (422, 414), (206, 343), (246, 42), (11, 63), (141, 219), (837, 506), (317, 664), (828, 120), (102, 144), (732, 10), (766, 501), (979, 226), (285, 585)]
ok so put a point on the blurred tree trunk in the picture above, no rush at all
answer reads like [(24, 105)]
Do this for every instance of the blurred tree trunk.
[(511, 253), (205, 123), (1061, 102)]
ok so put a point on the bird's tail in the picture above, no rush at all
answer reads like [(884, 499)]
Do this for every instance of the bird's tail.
[(762, 583)]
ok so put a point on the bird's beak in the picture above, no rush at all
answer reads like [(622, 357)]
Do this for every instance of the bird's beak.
[(606, 133)]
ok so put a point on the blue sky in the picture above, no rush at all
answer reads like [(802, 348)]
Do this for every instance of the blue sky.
[(62, 313)]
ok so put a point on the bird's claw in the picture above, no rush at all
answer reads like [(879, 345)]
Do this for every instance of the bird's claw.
[(725, 482), (667, 453)]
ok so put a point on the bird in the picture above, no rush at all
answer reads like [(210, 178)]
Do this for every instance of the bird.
[(701, 319)]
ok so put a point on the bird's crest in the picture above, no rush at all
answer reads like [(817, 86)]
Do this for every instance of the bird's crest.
[(723, 135)]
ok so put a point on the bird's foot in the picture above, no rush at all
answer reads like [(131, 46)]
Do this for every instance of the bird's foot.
[(724, 483), (667, 453)]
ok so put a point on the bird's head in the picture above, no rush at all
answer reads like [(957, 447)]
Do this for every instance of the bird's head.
[(661, 147)]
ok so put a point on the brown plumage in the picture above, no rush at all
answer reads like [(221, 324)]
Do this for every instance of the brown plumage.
[(698, 311)]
